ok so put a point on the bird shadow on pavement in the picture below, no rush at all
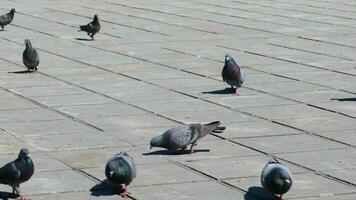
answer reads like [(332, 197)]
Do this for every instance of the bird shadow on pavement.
[(179, 152), (222, 91), (7, 195), (258, 193), (105, 188), (343, 99), (84, 39), (20, 72)]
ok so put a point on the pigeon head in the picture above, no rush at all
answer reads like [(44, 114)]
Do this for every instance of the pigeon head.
[(12, 10), (24, 156), (24, 153), (228, 58), (96, 18), (27, 42), (157, 141)]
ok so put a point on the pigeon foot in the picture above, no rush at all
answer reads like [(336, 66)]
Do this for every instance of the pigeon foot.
[(236, 94), (280, 197), (191, 150), (23, 198), (125, 193)]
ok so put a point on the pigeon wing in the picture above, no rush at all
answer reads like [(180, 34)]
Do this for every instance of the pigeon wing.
[(9, 174)]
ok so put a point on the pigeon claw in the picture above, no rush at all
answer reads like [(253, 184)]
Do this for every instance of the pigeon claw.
[(125, 193)]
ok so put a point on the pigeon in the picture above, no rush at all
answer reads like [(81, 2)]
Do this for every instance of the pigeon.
[(232, 74), (121, 170), (30, 57), (7, 18), (17, 172), (276, 178), (92, 28), (181, 136)]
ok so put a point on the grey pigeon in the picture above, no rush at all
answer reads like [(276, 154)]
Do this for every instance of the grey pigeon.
[(7, 18), (30, 57), (17, 172), (92, 28), (121, 170), (182, 136), (232, 74), (276, 178)]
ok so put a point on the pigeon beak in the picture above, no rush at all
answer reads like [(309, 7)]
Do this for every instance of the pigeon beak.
[(287, 181)]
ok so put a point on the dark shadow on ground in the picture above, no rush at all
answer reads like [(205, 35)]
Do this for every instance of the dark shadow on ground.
[(84, 39), (344, 99), (179, 152), (222, 91), (20, 72), (258, 193), (104, 188), (7, 195)]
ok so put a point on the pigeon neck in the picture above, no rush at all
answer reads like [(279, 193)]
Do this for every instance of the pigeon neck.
[(28, 45)]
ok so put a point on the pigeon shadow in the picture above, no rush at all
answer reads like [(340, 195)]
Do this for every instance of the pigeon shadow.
[(223, 91), (84, 39), (20, 72), (178, 152), (7, 195), (344, 99), (105, 188), (258, 193)]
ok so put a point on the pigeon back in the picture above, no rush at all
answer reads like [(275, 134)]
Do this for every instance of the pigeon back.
[(272, 174), (6, 19), (30, 58), (181, 136)]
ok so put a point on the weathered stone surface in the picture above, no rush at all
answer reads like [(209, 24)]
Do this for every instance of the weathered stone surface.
[(157, 64)]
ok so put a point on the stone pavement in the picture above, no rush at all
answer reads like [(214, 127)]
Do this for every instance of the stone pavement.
[(157, 64)]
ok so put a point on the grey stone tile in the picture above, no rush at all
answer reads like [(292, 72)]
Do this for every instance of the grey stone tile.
[(74, 141), (57, 182), (74, 99), (198, 191), (304, 185), (345, 136), (50, 127), (234, 167), (290, 143), (9, 144), (318, 124), (128, 122), (100, 110), (156, 174), (251, 101), (255, 129), (95, 158), (326, 160)]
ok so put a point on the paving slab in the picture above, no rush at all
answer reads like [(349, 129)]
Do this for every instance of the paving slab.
[(155, 65), (304, 185)]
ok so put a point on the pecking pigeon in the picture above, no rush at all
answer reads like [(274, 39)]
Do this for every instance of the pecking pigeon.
[(181, 136), (121, 170), (92, 28), (17, 172), (30, 57), (7, 18), (276, 178), (232, 74)]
